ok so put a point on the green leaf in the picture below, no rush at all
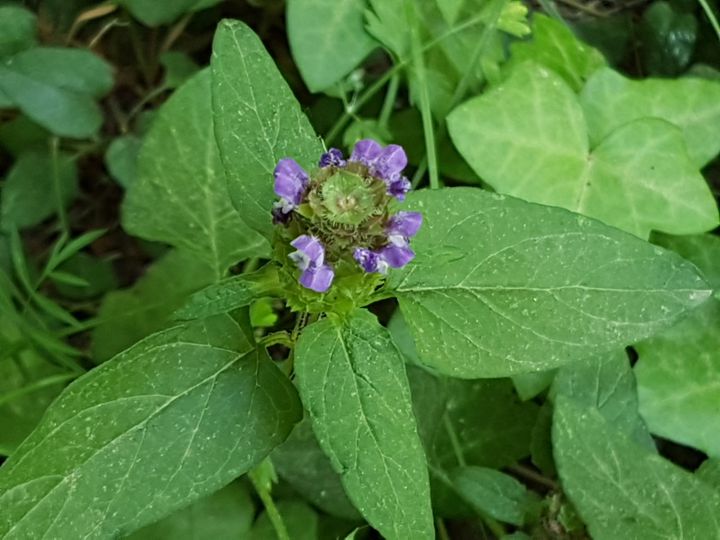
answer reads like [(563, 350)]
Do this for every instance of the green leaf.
[(29, 195), (554, 46), (21, 134), (608, 385), (126, 316), (162, 424), (493, 493), (610, 100), (17, 30), (157, 12), (367, 429), (326, 53), (622, 490), (540, 288), (528, 138), (480, 422), (709, 472), (301, 463), (179, 196), (263, 313), (179, 67), (225, 515), (529, 385), (300, 520), (679, 380), (703, 250), (84, 276), (229, 294), (257, 122), (667, 39), (121, 159)]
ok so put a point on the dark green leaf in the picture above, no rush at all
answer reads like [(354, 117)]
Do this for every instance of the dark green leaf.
[(121, 159), (17, 30), (367, 429), (257, 122), (162, 424), (667, 39), (96, 276)]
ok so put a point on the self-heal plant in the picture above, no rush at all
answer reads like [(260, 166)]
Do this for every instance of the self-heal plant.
[(342, 221)]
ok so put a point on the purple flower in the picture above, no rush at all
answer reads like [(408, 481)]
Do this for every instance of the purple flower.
[(310, 258), (390, 163), (405, 224), (332, 157), (398, 187), (370, 261), (366, 152), (291, 181), (397, 253)]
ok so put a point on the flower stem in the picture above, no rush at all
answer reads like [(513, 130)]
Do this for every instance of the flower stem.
[(272, 511), (710, 15)]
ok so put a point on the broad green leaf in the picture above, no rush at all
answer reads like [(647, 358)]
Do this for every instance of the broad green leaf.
[(128, 315), (554, 46), (230, 294), (501, 286), (703, 250), (157, 12), (679, 380), (179, 196), (121, 159), (529, 385), (17, 30), (607, 384), (326, 53), (353, 382), (667, 39), (300, 520), (257, 122), (34, 186), (301, 462), (622, 490), (493, 493), (225, 515), (172, 419), (528, 138), (709, 472), (179, 67), (610, 100), (479, 423)]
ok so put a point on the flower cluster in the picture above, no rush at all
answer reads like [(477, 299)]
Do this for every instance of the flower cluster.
[(339, 217)]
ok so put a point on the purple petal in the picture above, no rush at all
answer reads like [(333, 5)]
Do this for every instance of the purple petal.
[(310, 252), (366, 152), (397, 256), (404, 224), (398, 187), (370, 261), (332, 157), (318, 278), (390, 163), (291, 180)]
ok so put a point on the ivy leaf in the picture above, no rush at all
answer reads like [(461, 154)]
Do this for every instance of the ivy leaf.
[(634, 492), (17, 30), (33, 188), (258, 121), (610, 100), (367, 429), (528, 138), (667, 39), (554, 46), (501, 286), (162, 424), (56, 88), (224, 515), (326, 53), (180, 196)]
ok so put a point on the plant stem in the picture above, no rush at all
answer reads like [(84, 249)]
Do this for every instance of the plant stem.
[(272, 511), (710, 15), (454, 441), (37, 385), (528, 473), (57, 188), (441, 529), (389, 102)]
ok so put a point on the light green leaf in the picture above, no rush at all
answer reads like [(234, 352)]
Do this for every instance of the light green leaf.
[(501, 286), (301, 462), (703, 250), (367, 429), (709, 472), (33, 188), (622, 490), (529, 385), (679, 380), (528, 138), (493, 493), (180, 196), (128, 315), (230, 294), (162, 424), (121, 159), (607, 384), (554, 46), (300, 520), (610, 100), (17, 30), (326, 53), (225, 515), (257, 122)]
